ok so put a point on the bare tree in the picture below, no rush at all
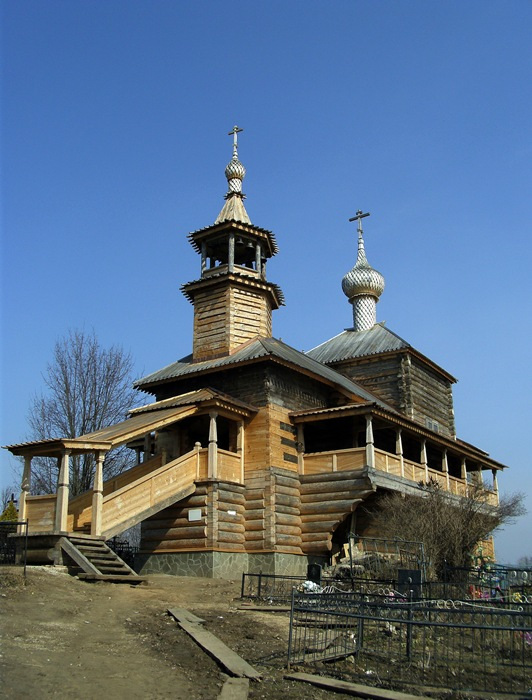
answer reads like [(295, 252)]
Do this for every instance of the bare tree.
[(449, 526), (88, 387), (7, 494)]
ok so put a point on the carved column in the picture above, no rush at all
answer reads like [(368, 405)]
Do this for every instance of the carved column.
[(399, 450), (370, 445), (240, 449), (212, 464), (25, 488), (300, 449), (97, 496), (61, 504), (203, 258), (258, 258), (424, 460), (445, 469), (231, 253), (495, 484)]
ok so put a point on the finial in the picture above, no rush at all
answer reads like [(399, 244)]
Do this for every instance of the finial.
[(235, 130), (235, 172), (363, 285)]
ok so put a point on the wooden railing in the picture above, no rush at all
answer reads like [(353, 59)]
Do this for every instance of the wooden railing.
[(339, 460), (132, 500), (40, 512), (229, 466), (334, 460)]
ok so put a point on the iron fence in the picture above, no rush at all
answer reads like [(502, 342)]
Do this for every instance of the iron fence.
[(124, 549), (14, 543), (467, 646)]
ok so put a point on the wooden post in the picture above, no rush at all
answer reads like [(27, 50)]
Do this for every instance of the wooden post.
[(300, 449), (24, 489), (231, 253), (495, 484), (197, 447), (445, 469), (147, 447), (370, 445), (203, 258), (61, 505), (463, 474), (97, 496), (399, 450), (240, 449), (257, 258), (137, 452), (424, 460), (335, 462), (212, 464)]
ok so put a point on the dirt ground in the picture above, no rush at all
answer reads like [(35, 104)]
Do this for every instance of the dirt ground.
[(62, 637)]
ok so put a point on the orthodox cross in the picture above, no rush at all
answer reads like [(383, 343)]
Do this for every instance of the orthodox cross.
[(235, 130), (358, 217)]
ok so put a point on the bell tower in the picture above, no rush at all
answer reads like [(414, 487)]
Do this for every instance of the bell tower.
[(232, 299)]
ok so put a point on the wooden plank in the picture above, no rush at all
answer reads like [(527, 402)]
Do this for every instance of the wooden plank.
[(220, 652), (181, 614), (354, 689), (235, 689)]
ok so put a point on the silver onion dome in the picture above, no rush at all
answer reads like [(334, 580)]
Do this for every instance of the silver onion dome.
[(235, 171), (362, 279), (363, 285)]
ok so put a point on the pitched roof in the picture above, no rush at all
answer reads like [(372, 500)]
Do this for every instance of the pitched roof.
[(351, 344), (261, 348)]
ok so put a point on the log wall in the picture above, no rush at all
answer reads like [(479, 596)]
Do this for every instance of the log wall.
[(326, 500), (227, 316)]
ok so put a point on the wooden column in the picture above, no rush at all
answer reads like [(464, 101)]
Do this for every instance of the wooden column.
[(197, 447), (399, 450), (147, 447), (445, 469), (203, 258), (370, 445), (97, 496), (212, 468), (231, 253), (258, 256), (424, 460), (300, 449), (61, 504), (240, 449), (463, 474), (24, 489), (495, 484)]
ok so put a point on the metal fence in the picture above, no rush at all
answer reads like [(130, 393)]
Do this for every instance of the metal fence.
[(124, 549), (12, 553), (467, 646)]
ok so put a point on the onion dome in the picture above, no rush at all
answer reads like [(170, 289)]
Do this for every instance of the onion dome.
[(233, 209), (363, 286), (362, 279)]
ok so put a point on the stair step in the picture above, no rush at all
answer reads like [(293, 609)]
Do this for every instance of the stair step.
[(132, 579)]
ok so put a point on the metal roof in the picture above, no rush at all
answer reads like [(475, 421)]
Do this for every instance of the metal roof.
[(106, 438), (234, 276), (195, 237), (258, 349), (351, 344), (195, 398)]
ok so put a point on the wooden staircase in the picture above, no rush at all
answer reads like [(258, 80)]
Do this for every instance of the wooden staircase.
[(93, 560)]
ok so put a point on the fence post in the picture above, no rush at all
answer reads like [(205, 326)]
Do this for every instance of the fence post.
[(409, 626), (360, 628)]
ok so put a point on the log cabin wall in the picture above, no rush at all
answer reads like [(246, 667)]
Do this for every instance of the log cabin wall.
[(227, 316), (255, 510), (225, 519), (429, 397), (170, 530), (326, 501), (285, 487), (382, 375)]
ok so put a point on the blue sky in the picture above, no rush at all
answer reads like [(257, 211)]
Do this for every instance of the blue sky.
[(114, 141)]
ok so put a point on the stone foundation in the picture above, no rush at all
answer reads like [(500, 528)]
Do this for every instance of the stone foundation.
[(227, 565)]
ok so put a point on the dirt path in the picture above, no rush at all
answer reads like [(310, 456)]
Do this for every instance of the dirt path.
[(62, 637)]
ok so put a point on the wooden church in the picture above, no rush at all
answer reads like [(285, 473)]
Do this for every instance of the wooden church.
[(252, 455)]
